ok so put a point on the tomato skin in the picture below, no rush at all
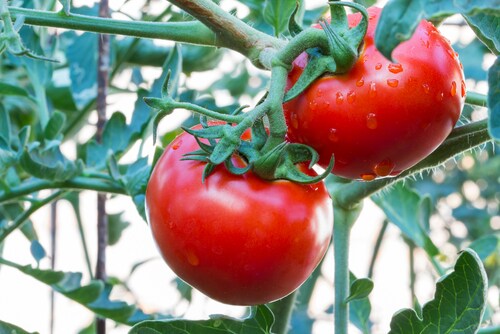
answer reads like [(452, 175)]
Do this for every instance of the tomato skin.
[(238, 239), (380, 118)]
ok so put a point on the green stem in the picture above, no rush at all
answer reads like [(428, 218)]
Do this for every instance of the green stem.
[(490, 330), (343, 221), (376, 248), (476, 99), (461, 139), (282, 310), (21, 219), (78, 183)]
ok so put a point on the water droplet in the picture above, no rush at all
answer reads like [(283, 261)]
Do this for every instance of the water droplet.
[(378, 66), (319, 93), (351, 97), (426, 88), (456, 54), (453, 91), (461, 66), (371, 121), (365, 58), (177, 144), (463, 88), (384, 168), (313, 105), (451, 53), (395, 68), (440, 96), (392, 83), (360, 82), (373, 89), (295, 121), (340, 98), (192, 258), (368, 177), (333, 135)]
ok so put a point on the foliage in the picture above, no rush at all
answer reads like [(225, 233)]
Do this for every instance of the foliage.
[(49, 150)]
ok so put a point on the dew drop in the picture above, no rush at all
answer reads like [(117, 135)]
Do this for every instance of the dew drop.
[(177, 144), (426, 88), (360, 82), (368, 177), (365, 58), (392, 83), (463, 88), (340, 98), (351, 97), (395, 68), (295, 121), (453, 91), (378, 66), (192, 258), (440, 96), (373, 89), (384, 168), (451, 53), (333, 135), (371, 121)]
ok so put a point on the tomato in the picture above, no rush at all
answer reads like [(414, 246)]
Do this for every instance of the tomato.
[(380, 118), (238, 239)]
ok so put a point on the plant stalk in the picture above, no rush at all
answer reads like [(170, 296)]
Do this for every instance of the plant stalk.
[(282, 310)]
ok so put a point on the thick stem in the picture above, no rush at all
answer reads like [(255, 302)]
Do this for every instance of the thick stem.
[(282, 310), (461, 139), (343, 221)]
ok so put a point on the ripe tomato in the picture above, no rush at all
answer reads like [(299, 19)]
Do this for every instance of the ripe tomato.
[(380, 118), (238, 239)]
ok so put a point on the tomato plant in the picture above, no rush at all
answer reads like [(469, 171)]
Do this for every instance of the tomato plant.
[(383, 116), (238, 239)]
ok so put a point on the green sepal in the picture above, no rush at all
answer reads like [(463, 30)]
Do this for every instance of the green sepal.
[(212, 132), (236, 170), (259, 134), (224, 149), (209, 168)]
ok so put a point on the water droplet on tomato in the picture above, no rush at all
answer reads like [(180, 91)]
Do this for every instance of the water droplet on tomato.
[(453, 91), (395, 173), (392, 83), (461, 66), (177, 144), (340, 98), (368, 177), (440, 96), (384, 168), (395, 68), (360, 82), (378, 66), (313, 105), (351, 97), (463, 88), (451, 53), (426, 88), (373, 89), (192, 258), (365, 58), (333, 135), (295, 121), (371, 121)]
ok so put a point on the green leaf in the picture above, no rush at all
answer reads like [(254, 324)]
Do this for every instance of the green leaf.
[(485, 246), (116, 135), (173, 68), (4, 128), (7, 89), (360, 288), (260, 321), (37, 250), (359, 310), (494, 100), (410, 212), (400, 18), (458, 304), (6, 328), (55, 125), (116, 226), (485, 25), (94, 296), (277, 13)]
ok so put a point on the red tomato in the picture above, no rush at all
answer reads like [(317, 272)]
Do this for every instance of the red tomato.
[(380, 118), (238, 239)]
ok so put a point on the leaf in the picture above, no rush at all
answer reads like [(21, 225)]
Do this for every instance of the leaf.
[(260, 321), (4, 128), (485, 25), (55, 125), (7, 89), (94, 296), (469, 56), (37, 251), (277, 13), (360, 288), (400, 18), (116, 226), (173, 68), (494, 100), (410, 212), (66, 6), (6, 328), (359, 310), (485, 246), (458, 304)]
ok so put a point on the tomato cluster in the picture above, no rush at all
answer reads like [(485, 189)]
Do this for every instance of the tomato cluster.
[(381, 117), (238, 239)]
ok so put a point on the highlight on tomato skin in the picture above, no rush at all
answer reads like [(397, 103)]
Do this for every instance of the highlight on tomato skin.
[(382, 117), (240, 240)]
